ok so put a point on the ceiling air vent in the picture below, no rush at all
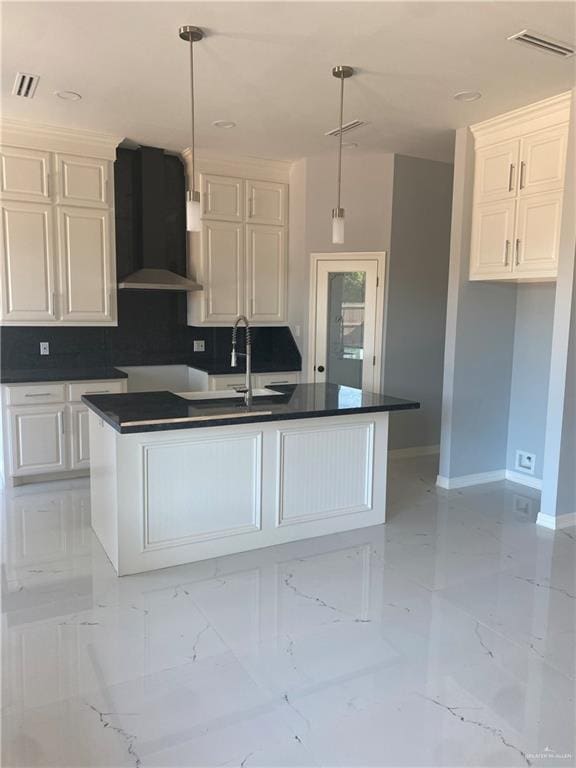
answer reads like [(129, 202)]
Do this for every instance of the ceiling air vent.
[(25, 85), (543, 43), (346, 127)]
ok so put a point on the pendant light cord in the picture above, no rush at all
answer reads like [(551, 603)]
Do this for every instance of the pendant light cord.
[(340, 137), (192, 156)]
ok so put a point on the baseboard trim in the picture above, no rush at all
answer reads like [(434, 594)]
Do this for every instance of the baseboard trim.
[(450, 483), (410, 453), (522, 479), (463, 481), (556, 523)]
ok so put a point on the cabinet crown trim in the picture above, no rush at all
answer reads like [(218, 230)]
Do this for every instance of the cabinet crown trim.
[(550, 111), (53, 138), (255, 168)]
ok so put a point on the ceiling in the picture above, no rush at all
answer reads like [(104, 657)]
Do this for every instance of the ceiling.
[(267, 66)]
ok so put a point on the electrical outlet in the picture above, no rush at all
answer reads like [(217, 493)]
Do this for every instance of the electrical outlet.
[(525, 462), (199, 345), (44, 348)]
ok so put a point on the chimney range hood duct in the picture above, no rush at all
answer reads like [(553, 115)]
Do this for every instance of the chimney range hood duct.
[(155, 274)]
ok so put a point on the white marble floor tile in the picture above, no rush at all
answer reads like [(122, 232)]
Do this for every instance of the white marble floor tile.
[(446, 637)]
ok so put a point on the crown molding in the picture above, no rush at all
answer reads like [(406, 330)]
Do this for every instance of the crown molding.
[(54, 138), (533, 117), (245, 167)]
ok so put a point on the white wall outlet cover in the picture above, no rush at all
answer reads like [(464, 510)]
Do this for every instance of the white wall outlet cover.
[(199, 345), (44, 348), (525, 462)]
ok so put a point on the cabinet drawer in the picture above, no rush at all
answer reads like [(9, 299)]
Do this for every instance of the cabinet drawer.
[(227, 381), (79, 388), (269, 379), (35, 394)]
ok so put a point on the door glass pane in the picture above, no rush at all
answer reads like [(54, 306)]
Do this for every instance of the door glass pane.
[(345, 332)]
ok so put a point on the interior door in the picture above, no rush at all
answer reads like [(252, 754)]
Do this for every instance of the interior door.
[(345, 334)]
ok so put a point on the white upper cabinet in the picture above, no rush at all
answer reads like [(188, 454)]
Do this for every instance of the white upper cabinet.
[(82, 181), (496, 172), (85, 266), (57, 257), (25, 174), (27, 263), (266, 202), (543, 161), (223, 271), (222, 198), (519, 172), (265, 273), (538, 234), (492, 239)]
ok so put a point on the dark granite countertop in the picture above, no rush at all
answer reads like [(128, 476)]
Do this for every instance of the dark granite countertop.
[(157, 411), (26, 375), (222, 367)]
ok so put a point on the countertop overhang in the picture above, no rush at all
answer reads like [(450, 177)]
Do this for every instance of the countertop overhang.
[(159, 411)]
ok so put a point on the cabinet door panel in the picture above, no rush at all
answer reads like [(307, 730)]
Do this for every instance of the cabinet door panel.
[(266, 202), (266, 273), (24, 174), (496, 172), (538, 235), (492, 236), (79, 444), (82, 180), (543, 159), (223, 270), (37, 439), (27, 261), (85, 264), (222, 198)]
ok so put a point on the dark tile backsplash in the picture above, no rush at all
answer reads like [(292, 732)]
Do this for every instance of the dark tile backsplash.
[(151, 330)]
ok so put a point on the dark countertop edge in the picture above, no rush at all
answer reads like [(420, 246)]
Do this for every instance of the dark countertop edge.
[(225, 370), (170, 426), (61, 375)]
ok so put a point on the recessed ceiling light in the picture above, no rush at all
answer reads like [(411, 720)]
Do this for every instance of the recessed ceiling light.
[(68, 95), (224, 124), (468, 96)]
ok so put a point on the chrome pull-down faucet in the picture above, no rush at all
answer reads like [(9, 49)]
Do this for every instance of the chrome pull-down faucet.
[(246, 390)]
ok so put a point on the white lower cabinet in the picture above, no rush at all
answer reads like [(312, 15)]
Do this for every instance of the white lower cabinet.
[(37, 439), (79, 442), (46, 426)]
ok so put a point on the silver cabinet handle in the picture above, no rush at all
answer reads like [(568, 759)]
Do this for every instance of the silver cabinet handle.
[(506, 253), (284, 381), (62, 427), (511, 178), (38, 394), (97, 392), (522, 173), (517, 251)]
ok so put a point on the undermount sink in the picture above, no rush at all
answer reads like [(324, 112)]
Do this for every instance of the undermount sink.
[(226, 394)]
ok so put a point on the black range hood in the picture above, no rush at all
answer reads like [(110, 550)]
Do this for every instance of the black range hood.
[(155, 274)]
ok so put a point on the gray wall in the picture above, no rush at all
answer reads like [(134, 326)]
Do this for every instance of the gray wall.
[(559, 480), (530, 372), (417, 291), (480, 327)]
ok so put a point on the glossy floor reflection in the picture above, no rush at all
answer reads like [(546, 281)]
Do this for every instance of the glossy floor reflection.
[(445, 638)]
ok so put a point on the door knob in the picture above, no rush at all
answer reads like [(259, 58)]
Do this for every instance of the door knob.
[(320, 369)]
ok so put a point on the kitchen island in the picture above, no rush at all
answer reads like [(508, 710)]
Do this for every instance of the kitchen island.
[(181, 477)]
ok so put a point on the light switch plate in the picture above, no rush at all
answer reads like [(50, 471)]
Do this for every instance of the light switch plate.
[(44, 348), (199, 345)]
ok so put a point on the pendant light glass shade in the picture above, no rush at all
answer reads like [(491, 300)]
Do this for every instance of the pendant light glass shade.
[(193, 213), (338, 226)]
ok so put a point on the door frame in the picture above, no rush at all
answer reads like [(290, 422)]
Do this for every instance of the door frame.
[(380, 258)]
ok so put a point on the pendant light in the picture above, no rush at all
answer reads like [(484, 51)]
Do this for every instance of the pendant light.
[(342, 73), (192, 35)]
